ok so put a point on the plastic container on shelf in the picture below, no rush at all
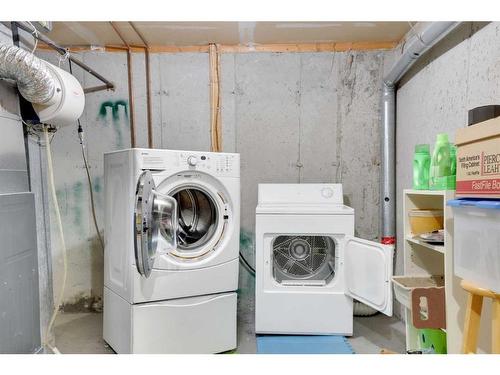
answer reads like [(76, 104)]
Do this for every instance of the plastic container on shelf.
[(477, 241), (425, 221), (404, 285), (440, 177), (421, 166)]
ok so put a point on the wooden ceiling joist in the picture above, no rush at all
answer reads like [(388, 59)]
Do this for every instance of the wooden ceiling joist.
[(279, 48)]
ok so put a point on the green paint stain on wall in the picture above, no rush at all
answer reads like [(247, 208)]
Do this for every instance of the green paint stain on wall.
[(115, 108), (103, 110), (97, 184), (246, 241), (124, 104), (77, 190)]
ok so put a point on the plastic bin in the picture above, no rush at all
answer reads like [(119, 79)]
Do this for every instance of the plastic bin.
[(477, 241), (404, 285), (425, 221)]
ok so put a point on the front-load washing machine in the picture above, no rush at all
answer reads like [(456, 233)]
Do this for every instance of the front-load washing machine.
[(309, 265), (172, 222)]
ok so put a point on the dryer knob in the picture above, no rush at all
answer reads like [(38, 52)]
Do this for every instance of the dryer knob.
[(192, 161)]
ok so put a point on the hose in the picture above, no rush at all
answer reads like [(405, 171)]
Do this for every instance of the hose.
[(86, 164), (248, 267), (61, 234), (92, 205)]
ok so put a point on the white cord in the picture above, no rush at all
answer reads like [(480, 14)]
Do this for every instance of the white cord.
[(63, 243), (35, 35)]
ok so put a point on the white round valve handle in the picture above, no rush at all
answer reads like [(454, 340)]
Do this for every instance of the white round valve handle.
[(192, 161)]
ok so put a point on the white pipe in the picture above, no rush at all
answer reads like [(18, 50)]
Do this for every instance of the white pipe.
[(63, 242), (414, 48)]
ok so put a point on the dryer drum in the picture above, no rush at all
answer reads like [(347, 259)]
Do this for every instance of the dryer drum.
[(197, 218), (303, 257)]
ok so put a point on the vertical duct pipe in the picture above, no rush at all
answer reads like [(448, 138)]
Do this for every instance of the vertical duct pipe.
[(414, 48), (388, 188)]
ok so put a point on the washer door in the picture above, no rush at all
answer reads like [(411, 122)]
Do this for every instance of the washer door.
[(204, 213), (156, 223)]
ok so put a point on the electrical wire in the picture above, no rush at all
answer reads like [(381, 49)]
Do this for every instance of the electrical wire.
[(250, 269), (35, 35), (52, 189), (92, 205), (89, 179)]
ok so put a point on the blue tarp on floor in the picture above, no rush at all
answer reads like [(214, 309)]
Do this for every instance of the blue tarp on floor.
[(286, 344)]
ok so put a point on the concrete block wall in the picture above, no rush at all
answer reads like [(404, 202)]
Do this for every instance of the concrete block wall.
[(293, 117)]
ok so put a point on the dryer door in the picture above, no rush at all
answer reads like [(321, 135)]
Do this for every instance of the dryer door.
[(368, 270), (155, 224)]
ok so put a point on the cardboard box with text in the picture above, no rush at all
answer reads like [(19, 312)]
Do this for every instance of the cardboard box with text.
[(478, 160)]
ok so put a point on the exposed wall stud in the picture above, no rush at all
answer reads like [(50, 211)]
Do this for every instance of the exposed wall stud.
[(130, 85), (215, 120), (148, 85)]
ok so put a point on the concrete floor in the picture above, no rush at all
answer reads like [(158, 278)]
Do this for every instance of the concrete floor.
[(82, 333)]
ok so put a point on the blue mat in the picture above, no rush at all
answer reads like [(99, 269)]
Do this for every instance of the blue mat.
[(285, 344)]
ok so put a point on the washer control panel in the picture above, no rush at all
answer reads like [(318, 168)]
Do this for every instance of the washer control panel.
[(220, 164)]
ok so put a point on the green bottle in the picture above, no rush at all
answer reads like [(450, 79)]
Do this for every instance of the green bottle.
[(440, 174), (421, 166), (452, 183)]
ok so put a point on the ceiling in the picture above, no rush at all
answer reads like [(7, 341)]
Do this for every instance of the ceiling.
[(230, 33)]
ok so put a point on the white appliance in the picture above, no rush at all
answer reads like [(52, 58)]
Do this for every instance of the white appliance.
[(309, 265), (172, 222)]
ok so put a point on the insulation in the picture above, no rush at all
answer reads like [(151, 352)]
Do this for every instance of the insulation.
[(35, 81)]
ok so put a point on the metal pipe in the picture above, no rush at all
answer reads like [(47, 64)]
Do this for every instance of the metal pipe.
[(388, 165), (417, 46), (148, 86), (63, 51), (88, 90), (414, 48), (130, 85)]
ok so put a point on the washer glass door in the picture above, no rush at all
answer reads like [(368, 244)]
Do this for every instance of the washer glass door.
[(197, 218), (156, 223)]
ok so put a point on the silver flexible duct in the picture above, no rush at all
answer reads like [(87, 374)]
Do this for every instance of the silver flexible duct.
[(35, 81)]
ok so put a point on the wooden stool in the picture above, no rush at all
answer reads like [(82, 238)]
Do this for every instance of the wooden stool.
[(473, 317)]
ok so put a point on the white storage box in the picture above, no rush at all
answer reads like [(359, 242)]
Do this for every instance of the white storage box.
[(477, 241)]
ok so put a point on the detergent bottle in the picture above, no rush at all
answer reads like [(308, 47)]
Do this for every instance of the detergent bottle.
[(440, 171), (453, 178), (421, 166)]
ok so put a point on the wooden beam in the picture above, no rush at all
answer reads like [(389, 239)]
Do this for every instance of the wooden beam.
[(215, 118), (238, 48), (130, 85)]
